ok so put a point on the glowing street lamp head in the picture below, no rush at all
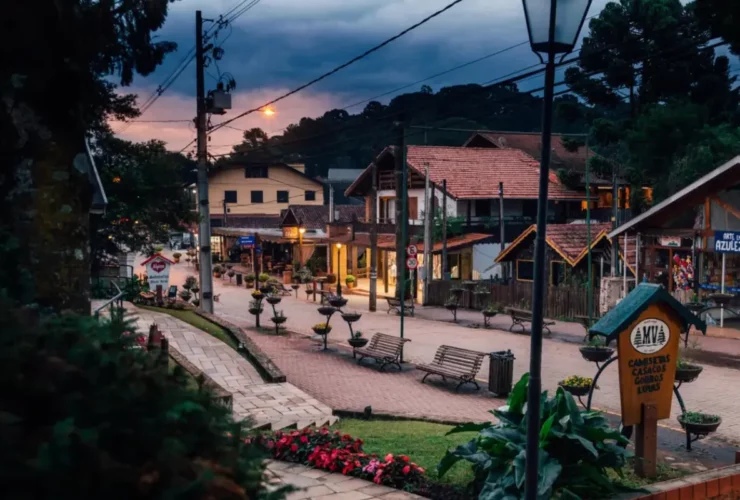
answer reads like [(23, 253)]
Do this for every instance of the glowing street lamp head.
[(339, 246), (301, 230), (268, 111)]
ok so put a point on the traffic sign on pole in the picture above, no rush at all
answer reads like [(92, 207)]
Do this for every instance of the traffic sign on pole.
[(412, 250), (412, 263)]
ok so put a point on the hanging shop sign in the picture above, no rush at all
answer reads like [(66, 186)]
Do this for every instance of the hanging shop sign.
[(246, 241), (291, 232), (669, 241), (727, 241)]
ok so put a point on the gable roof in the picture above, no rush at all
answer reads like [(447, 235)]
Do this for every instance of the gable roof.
[(244, 163), (719, 179), (155, 256), (317, 216), (630, 307), (570, 241), (475, 173), (531, 143)]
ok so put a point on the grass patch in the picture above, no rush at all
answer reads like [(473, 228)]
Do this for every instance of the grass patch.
[(198, 322), (632, 480), (424, 442)]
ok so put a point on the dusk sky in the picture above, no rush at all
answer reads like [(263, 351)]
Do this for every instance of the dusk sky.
[(280, 44)]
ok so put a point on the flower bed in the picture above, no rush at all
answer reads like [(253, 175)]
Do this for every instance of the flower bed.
[(341, 453)]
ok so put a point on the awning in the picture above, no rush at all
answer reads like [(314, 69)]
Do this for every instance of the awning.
[(388, 241)]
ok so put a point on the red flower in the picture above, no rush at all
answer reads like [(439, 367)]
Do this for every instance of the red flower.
[(304, 439), (270, 445), (404, 458), (389, 457), (294, 448), (406, 470)]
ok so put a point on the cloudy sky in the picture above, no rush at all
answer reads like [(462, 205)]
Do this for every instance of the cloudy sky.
[(280, 44)]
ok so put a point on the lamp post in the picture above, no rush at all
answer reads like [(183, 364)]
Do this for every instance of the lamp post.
[(553, 27), (339, 269), (301, 231)]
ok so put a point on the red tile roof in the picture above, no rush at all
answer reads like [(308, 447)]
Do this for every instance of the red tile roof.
[(476, 172), (570, 241), (532, 145)]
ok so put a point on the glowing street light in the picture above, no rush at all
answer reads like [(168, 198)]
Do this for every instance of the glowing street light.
[(268, 111), (339, 269)]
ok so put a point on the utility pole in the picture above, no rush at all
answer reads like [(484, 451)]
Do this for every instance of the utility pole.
[(226, 210), (501, 226), (400, 168), (615, 215), (404, 228), (331, 203), (428, 204), (204, 228), (374, 242), (445, 269)]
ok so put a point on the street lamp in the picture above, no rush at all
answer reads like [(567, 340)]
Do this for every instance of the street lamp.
[(301, 231), (339, 269), (553, 27)]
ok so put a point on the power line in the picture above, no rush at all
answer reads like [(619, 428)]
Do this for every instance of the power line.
[(341, 66)]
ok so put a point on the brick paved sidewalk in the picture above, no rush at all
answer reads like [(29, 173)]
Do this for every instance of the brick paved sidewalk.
[(280, 405), (319, 484)]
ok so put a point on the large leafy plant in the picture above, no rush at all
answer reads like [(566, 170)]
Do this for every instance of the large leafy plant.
[(576, 450)]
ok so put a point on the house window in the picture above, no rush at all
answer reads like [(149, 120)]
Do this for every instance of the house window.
[(230, 196), (413, 208), (257, 197), (282, 196), (255, 172), (482, 208), (529, 208), (453, 261), (525, 270), (310, 195)]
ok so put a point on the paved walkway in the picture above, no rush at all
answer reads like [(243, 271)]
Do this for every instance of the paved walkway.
[(319, 484), (280, 405)]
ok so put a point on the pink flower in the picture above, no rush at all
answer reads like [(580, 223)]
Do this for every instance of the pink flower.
[(420, 470), (389, 457), (404, 458), (304, 439), (406, 470)]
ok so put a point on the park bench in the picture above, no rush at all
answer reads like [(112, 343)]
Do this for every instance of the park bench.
[(455, 363), (521, 316), (394, 304), (383, 348)]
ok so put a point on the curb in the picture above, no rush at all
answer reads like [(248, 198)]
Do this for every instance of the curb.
[(218, 391), (252, 352)]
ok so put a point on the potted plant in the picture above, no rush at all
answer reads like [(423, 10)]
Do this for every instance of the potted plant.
[(357, 340), (230, 273), (274, 299), (577, 386), (331, 279), (257, 295), (255, 308), (176, 257), (229, 266), (217, 270), (699, 423), (350, 281), (452, 307), (327, 311), (337, 302), (158, 248), (186, 295), (249, 278), (278, 318), (489, 312), (321, 328), (456, 292), (687, 372), (196, 302), (596, 350), (263, 277)]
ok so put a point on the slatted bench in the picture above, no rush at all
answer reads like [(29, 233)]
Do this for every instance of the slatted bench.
[(395, 305), (455, 363), (521, 316), (385, 349)]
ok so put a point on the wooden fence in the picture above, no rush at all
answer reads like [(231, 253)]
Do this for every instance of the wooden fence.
[(560, 301)]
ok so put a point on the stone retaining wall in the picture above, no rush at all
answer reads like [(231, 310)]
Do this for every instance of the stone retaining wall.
[(717, 484)]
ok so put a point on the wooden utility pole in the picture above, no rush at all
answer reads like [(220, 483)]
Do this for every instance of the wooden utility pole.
[(428, 214), (204, 229), (445, 269), (374, 242), (501, 226)]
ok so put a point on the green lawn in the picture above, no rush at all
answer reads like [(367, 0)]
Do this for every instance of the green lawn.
[(198, 322), (425, 443)]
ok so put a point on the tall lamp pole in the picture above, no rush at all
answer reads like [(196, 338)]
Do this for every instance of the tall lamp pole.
[(553, 29), (301, 231), (339, 269)]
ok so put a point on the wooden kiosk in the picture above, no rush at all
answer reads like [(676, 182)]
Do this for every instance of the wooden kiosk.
[(647, 326)]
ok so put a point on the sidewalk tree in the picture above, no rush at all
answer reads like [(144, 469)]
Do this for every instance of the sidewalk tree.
[(58, 85), (147, 194)]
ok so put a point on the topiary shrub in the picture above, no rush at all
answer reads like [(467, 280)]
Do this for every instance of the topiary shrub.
[(85, 416)]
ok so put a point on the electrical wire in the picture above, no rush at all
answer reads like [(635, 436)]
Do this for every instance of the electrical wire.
[(341, 66)]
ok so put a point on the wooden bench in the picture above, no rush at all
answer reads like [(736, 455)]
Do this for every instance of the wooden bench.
[(383, 348), (394, 304), (521, 316), (455, 363)]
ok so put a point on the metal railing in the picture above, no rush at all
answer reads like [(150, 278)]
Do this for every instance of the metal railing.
[(116, 298)]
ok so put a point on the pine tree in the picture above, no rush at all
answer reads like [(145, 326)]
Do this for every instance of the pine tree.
[(638, 338), (661, 336)]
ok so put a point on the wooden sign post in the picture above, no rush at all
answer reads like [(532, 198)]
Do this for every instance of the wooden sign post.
[(647, 326)]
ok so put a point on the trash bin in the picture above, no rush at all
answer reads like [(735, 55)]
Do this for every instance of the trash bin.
[(501, 372), (238, 279)]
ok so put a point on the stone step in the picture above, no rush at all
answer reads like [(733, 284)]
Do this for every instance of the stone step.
[(285, 424)]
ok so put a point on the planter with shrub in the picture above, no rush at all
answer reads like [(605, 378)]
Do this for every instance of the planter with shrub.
[(337, 302), (217, 270), (489, 312), (596, 350), (331, 279), (577, 386), (687, 372), (350, 281), (176, 257), (699, 423), (186, 295), (263, 277), (452, 307)]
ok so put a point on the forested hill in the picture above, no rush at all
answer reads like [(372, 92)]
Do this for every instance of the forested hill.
[(339, 139)]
